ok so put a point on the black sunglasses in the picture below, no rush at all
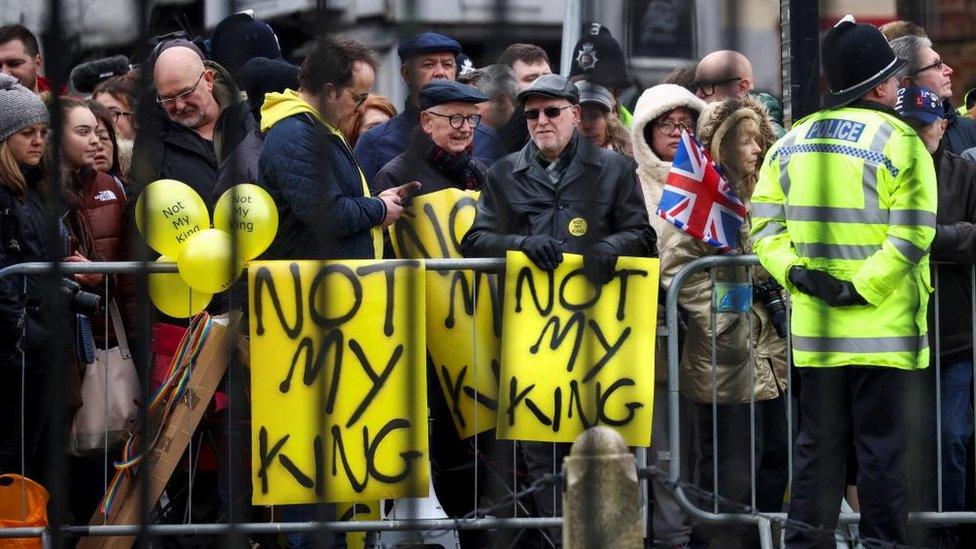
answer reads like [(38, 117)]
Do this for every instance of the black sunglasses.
[(551, 112)]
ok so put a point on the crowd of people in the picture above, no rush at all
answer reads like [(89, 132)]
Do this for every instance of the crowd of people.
[(845, 210)]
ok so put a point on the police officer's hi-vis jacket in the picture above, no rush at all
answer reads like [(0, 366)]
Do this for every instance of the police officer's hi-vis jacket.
[(851, 191)]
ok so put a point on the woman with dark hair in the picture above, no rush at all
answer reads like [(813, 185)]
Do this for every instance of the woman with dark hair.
[(24, 336), (95, 201), (107, 157), (119, 95)]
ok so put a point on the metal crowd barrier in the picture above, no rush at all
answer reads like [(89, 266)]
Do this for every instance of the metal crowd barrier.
[(762, 520), (278, 527)]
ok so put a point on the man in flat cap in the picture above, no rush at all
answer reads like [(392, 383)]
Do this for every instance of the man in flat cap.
[(438, 153), (560, 193), (843, 217), (425, 57)]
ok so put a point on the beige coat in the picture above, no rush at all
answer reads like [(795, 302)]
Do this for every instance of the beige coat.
[(732, 373)]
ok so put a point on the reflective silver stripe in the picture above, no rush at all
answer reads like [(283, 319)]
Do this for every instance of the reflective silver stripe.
[(836, 251), (915, 218), (784, 164), (869, 177), (896, 344), (765, 209), (909, 250), (836, 215), (772, 228)]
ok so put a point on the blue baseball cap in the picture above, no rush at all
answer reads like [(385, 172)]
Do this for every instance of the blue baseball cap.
[(919, 103), (427, 42), (439, 92)]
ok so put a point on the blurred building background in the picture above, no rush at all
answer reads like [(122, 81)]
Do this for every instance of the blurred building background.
[(658, 35)]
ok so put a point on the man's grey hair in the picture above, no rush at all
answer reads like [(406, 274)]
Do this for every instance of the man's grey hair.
[(495, 79), (910, 49)]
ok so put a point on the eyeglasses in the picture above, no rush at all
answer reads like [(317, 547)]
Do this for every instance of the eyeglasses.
[(938, 65), (456, 120), (550, 112), (707, 87), (167, 101), (667, 127), (116, 114), (360, 98)]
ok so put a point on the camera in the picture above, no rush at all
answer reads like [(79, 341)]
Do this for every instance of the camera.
[(79, 301), (770, 294)]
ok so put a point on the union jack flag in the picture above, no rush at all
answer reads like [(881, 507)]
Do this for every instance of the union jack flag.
[(698, 200)]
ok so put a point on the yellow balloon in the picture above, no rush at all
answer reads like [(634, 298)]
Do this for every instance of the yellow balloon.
[(249, 213), (172, 296), (168, 213), (205, 262)]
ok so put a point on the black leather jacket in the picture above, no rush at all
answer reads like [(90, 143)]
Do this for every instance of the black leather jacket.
[(597, 199)]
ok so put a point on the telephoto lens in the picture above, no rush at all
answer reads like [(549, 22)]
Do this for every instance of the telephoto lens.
[(770, 294), (79, 301)]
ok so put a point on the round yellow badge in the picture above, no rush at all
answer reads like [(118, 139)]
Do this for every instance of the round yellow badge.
[(577, 226)]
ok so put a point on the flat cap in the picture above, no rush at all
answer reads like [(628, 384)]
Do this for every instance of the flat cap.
[(595, 93), (439, 92), (427, 42), (550, 85)]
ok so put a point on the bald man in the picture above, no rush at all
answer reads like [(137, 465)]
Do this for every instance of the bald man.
[(199, 106), (722, 75)]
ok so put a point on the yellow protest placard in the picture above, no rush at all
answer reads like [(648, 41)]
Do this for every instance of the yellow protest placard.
[(463, 309), (354, 512), (336, 347), (575, 355)]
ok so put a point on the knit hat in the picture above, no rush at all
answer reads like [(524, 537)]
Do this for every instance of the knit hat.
[(19, 107), (239, 38)]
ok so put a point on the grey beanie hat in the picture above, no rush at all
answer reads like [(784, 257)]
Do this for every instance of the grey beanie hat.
[(19, 107)]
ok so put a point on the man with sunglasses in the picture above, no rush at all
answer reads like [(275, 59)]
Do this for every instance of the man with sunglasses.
[(560, 193), (198, 106), (925, 68), (424, 58)]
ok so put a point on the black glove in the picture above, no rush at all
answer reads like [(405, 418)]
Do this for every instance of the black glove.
[(834, 291), (543, 251), (599, 261)]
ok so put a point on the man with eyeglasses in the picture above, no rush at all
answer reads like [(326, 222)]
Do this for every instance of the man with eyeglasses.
[(438, 155), (199, 107), (925, 68), (560, 193), (425, 58), (727, 74), (325, 207)]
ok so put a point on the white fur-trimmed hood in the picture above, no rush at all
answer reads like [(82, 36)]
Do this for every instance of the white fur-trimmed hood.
[(654, 102)]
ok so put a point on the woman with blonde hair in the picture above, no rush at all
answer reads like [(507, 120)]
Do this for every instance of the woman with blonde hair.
[(24, 237)]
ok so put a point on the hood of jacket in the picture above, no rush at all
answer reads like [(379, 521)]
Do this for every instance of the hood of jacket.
[(278, 106), (225, 90), (654, 102), (717, 122)]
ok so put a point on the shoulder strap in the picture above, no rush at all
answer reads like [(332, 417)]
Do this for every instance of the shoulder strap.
[(116, 319)]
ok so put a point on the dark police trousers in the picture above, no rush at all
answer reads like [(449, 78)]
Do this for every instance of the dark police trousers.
[(866, 406)]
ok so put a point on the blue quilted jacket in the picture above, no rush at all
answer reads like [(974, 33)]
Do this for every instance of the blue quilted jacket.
[(314, 179)]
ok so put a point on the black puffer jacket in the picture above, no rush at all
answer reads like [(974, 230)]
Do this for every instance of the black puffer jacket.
[(166, 150), (955, 243), (960, 133), (34, 246), (598, 186)]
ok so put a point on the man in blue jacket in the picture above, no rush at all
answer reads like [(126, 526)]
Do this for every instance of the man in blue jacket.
[(324, 204), (425, 57)]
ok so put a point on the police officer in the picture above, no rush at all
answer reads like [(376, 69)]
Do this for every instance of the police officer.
[(843, 217)]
